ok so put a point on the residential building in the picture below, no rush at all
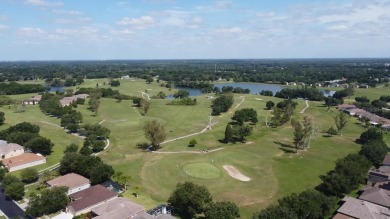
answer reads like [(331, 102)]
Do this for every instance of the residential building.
[(73, 181), (125, 77), (377, 196), (382, 174), (10, 150), (66, 101), (360, 209), (363, 86), (386, 161), (83, 201), (118, 208), (23, 161), (33, 100)]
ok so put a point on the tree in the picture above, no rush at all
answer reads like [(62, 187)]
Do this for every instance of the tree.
[(144, 105), (299, 134), (245, 115), (269, 105), (13, 187), (180, 94), (372, 134), (3, 171), (228, 133), (155, 132), (121, 179), (222, 104), (2, 118), (115, 83), (149, 80), (190, 199), (307, 130), (29, 175), (375, 151), (50, 201), (341, 121), (222, 210), (24, 127), (40, 145), (193, 142), (348, 174), (72, 148), (332, 131)]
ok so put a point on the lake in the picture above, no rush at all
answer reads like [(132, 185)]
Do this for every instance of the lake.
[(54, 88), (255, 88)]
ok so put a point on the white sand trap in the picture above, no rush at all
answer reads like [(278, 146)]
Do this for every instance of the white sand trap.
[(236, 174), (258, 99)]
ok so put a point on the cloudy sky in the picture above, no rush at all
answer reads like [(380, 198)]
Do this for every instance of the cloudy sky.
[(189, 29)]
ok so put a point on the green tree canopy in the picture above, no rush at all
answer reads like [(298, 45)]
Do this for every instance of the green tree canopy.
[(245, 115), (372, 134), (40, 145), (375, 151), (29, 175), (190, 199), (50, 201), (222, 210), (155, 132)]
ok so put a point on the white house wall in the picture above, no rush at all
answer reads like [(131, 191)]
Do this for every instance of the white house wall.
[(78, 189), (27, 165)]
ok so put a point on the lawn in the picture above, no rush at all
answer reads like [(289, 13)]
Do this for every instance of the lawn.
[(267, 157)]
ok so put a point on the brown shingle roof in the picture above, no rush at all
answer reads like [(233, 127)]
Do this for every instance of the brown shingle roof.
[(22, 159), (377, 196), (362, 209), (119, 208), (5, 149), (71, 180), (386, 161), (90, 197)]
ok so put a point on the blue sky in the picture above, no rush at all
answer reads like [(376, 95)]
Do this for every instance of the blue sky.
[(189, 29)]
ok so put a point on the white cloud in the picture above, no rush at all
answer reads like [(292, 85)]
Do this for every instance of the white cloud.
[(3, 27), (223, 4), (43, 3), (3, 17), (31, 32), (232, 30), (65, 12), (139, 23), (77, 31)]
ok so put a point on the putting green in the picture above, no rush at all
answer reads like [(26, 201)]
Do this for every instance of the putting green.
[(202, 170)]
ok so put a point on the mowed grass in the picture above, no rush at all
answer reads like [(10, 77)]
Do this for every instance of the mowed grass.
[(201, 170), (267, 157)]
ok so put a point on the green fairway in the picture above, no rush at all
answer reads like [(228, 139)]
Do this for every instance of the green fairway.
[(268, 157), (201, 170)]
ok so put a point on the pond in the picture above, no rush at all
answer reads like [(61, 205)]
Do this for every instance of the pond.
[(255, 88), (54, 88)]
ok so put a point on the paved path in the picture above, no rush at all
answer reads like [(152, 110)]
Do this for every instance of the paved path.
[(196, 133), (307, 106), (9, 208), (49, 123), (101, 122), (242, 100), (186, 152)]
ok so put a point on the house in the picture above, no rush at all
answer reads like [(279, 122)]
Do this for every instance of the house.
[(377, 196), (33, 100), (148, 216), (23, 161), (363, 86), (125, 77), (355, 208), (292, 83), (382, 174), (344, 85), (386, 161), (118, 208), (66, 101), (10, 150), (318, 84), (83, 201), (73, 181)]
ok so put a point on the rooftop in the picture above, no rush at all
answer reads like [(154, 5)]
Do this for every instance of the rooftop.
[(386, 161), (377, 196), (89, 197), (71, 180), (22, 159), (362, 209), (6, 148), (119, 208)]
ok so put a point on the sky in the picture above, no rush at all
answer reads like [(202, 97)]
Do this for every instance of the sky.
[(193, 29)]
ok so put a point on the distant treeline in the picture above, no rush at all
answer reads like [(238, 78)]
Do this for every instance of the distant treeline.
[(309, 71), (15, 88)]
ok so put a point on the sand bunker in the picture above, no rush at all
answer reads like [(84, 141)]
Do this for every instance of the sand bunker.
[(236, 174), (258, 99)]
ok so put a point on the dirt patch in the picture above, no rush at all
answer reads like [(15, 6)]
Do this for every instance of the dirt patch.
[(236, 174), (258, 99), (249, 142)]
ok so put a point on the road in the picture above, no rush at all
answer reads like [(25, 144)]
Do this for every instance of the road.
[(9, 208)]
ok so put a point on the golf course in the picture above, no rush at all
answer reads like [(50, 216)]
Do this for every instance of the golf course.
[(252, 174)]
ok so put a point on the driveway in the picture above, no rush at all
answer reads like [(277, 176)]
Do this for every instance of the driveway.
[(9, 208)]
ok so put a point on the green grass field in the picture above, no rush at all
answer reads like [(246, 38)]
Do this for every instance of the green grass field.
[(267, 157)]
